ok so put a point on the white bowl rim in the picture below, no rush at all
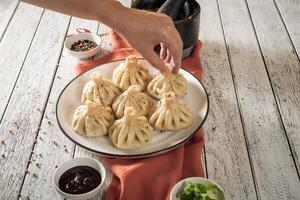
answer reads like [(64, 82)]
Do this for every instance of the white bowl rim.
[(103, 179), (174, 188)]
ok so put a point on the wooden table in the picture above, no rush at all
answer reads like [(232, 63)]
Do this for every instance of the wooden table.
[(251, 68)]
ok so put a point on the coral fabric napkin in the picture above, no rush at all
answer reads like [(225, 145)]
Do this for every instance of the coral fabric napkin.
[(151, 178)]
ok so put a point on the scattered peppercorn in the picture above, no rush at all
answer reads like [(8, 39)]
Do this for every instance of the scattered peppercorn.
[(83, 45), (35, 175), (55, 143)]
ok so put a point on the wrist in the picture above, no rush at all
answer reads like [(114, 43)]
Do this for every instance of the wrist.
[(109, 12)]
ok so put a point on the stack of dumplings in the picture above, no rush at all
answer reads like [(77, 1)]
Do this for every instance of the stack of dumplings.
[(123, 109)]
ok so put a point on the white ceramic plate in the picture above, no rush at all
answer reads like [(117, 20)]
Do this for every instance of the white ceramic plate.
[(70, 99)]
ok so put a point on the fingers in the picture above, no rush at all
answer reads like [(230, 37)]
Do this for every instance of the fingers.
[(173, 44), (154, 60), (175, 68), (168, 57), (163, 51)]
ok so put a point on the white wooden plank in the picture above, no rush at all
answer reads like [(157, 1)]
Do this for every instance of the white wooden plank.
[(54, 146), (275, 173), (14, 47), (7, 9), (22, 117), (283, 67), (290, 12), (225, 150)]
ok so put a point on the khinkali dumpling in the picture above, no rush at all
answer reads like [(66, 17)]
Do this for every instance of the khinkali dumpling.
[(171, 114), (131, 72), (100, 90), (167, 82), (132, 97), (131, 131), (92, 119)]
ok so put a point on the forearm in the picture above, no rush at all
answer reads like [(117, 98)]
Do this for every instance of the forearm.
[(142, 30), (105, 11)]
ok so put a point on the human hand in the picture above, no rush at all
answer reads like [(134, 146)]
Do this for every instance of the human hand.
[(144, 30)]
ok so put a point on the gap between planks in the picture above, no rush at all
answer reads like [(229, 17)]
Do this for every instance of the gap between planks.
[(19, 59), (277, 96), (294, 37), (7, 14), (237, 178), (272, 179), (44, 109), (25, 116), (239, 106), (61, 146)]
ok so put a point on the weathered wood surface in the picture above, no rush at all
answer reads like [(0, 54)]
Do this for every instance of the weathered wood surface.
[(282, 65), (54, 147), (22, 118), (226, 154), (14, 47), (273, 167), (7, 9), (290, 13)]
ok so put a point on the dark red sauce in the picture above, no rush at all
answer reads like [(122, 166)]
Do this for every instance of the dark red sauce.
[(79, 180)]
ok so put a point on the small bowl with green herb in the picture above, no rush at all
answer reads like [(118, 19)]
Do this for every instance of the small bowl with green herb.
[(197, 188)]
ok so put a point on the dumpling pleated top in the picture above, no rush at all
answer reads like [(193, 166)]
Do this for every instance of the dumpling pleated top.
[(131, 72), (132, 97), (131, 131), (171, 114), (92, 119), (167, 82), (100, 90)]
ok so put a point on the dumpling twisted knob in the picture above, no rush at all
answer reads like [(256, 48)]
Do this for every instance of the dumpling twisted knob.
[(168, 82), (131, 72), (131, 131), (100, 90), (132, 97), (171, 114), (92, 119)]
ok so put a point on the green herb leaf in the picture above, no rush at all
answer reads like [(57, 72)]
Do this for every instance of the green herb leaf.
[(210, 186)]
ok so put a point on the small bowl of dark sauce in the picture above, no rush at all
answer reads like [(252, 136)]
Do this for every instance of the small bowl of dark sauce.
[(80, 178)]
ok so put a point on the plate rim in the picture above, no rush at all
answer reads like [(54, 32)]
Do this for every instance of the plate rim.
[(149, 154)]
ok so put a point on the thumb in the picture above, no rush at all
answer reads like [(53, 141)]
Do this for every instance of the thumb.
[(154, 60)]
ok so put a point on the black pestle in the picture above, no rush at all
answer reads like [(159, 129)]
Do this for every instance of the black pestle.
[(146, 4), (172, 8)]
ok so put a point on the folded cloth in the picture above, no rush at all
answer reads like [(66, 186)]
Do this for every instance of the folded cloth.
[(151, 178)]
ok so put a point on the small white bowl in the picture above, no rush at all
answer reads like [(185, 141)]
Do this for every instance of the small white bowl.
[(83, 36), (80, 162), (179, 186)]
